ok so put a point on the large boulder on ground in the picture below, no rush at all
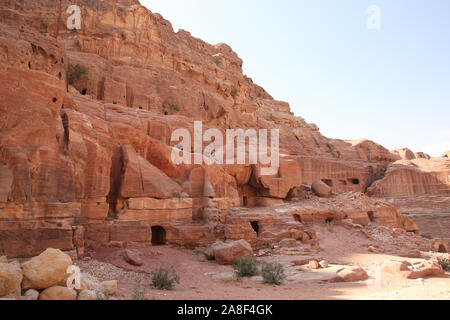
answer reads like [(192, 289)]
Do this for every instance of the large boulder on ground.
[(10, 278), (417, 270), (45, 270), (321, 189), (229, 253), (58, 293), (350, 274), (132, 257)]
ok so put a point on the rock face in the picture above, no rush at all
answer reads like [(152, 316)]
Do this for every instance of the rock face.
[(46, 270), (414, 178), (86, 122)]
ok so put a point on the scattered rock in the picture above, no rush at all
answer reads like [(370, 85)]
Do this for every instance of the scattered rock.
[(132, 257), (321, 189), (87, 295), (312, 234), (58, 293), (305, 238), (10, 278), (373, 249), (421, 269), (288, 243), (313, 265), (323, 264), (109, 287), (31, 295), (350, 274), (45, 270), (229, 253)]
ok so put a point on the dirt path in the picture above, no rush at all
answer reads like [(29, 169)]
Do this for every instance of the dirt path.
[(197, 281)]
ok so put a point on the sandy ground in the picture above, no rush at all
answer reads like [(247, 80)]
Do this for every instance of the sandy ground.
[(198, 281)]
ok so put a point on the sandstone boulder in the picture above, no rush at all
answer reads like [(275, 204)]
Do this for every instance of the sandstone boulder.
[(109, 287), (417, 270), (132, 257), (87, 295), (321, 189), (58, 293), (288, 243), (229, 253), (10, 278), (350, 274), (31, 295), (314, 265), (45, 270)]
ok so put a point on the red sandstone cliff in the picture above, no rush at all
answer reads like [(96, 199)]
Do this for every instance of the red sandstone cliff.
[(94, 147)]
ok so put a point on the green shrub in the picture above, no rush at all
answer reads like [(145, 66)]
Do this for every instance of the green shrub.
[(164, 278), (382, 174), (273, 273), (76, 73), (139, 292), (444, 263), (330, 225), (245, 267), (174, 107), (199, 251)]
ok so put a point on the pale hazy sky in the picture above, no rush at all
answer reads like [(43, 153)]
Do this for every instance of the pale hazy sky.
[(390, 85)]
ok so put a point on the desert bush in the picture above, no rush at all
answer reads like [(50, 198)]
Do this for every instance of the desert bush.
[(273, 273), (444, 263), (164, 278), (174, 107), (139, 293), (245, 267), (330, 225), (199, 251)]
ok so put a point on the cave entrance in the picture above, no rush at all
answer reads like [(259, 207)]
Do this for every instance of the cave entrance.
[(442, 249), (245, 201), (255, 226), (84, 92), (158, 236), (354, 181), (298, 218), (371, 216)]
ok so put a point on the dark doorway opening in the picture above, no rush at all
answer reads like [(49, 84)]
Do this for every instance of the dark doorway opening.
[(83, 92), (255, 226), (329, 221), (371, 215), (245, 201), (158, 236), (354, 181), (298, 218)]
